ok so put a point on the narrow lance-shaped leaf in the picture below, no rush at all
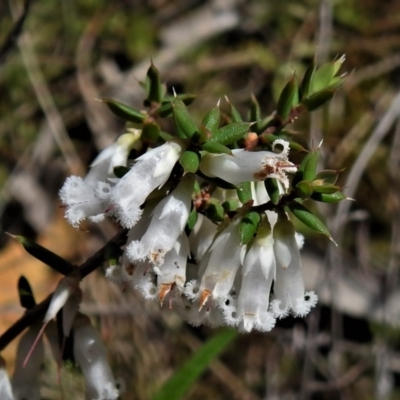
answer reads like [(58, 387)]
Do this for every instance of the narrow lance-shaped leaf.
[(322, 77), (288, 99), (255, 113), (234, 113), (213, 119), (272, 187), (124, 112), (244, 192), (183, 120), (26, 298), (306, 81), (155, 90), (329, 198), (327, 176), (309, 219), (176, 387), (326, 189), (216, 148), (317, 99), (46, 256), (190, 161), (231, 133), (248, 226), (308, 167), (165, 110)]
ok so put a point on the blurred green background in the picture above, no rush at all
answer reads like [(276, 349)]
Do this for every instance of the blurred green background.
[(72, 52)]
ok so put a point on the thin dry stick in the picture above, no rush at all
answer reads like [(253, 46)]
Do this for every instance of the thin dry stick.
[(46, 101), (381, 130), (16, 30), (36, 313)]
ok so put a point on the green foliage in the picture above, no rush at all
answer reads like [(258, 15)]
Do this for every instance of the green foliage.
[(187, 375)]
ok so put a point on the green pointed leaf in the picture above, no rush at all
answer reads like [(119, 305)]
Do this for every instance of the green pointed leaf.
[(183, 120), (327, 176), (192, 219), (244, 192), (234, 113), (165, 110), (272, 187), (216, 148), (306, 81), (304, 189), (150, 132), (124, 112), (309, 219), (322, 77), (255, 111), (317, 99), (178, 385), (165, 136), (326, 189), (26, 298), (120, 171), (308, 167), (155, 89), (231, 205), (248, 226), (329, 198), (215, 211), (288, 99), (46, 256), (213, 119), (231, 133), (190, 161)]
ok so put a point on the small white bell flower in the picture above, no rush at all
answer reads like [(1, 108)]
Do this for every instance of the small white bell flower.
[(167, 223), (258, 274), (150, 171), (89, 197), (91, 356), (224, 261), (289, 286), (247, 166)]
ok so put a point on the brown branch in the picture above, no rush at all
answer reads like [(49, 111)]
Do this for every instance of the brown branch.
[(36, 313)]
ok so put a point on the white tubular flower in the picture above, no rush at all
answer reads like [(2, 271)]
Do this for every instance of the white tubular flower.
[(223, 264), (259, 193), (248, 166), (173, 270), (25, 381), (91, 355), (289, 285), (89, 197), (167, 223), (150, 171), (201, 236), (5, 385), (258, 273)]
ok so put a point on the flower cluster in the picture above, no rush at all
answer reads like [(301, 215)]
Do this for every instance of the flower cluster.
[(206, 204), (207, 273)]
